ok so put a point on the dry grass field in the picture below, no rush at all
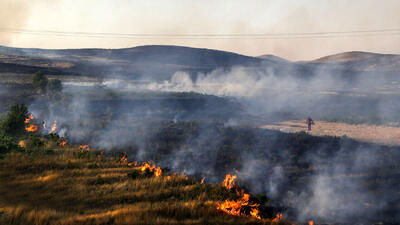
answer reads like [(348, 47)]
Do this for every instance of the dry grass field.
[(363, 132), (69, 185)]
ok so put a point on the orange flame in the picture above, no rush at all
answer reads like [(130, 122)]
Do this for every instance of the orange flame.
[(236, 208), (84, 147), (124, 158), (53, 127), (255, 213), (310, 222), (157, 172), (63, 143), (32, 128), (202, 180), (241, 206), (229, 181), (150, 167), (29, 118), (277, 218)]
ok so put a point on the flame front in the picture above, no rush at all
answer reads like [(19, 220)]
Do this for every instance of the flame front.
[(310, 222), (277, 218), (124, 158), (229, 181), (151, 168), (32, 128), (29, 118), (63, 143), (241, 207), (237, 208)]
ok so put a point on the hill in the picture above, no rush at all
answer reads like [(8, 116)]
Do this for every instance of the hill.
[(148, 62), (362, 61), (273, 58), (160, 62)]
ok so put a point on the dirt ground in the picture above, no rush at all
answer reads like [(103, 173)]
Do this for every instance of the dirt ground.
[(363, 132)]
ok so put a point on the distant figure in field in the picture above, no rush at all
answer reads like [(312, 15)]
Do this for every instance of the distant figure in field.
[(309, 123)]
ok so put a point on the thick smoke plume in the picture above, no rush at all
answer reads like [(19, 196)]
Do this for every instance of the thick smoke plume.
[(335, 191)]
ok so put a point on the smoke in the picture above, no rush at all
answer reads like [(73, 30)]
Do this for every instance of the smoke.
[(203, 135)]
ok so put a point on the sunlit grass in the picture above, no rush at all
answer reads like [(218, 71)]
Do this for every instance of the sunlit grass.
[(66, 186)]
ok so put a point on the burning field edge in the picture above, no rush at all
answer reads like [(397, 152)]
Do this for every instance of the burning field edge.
[(60, 183)]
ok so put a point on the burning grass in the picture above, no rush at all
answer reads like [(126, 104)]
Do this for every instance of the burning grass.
[(240, 207), (76, 186)]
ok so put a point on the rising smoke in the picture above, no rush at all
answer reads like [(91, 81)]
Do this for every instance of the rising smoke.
[(336, 190)]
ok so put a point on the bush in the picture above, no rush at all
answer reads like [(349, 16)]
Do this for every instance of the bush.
[(54, 86), (14, 124), (35, 142), (136, 174), (40, 82), (7, 144)]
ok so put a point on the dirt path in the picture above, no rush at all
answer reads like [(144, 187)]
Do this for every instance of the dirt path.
[(363, 132)]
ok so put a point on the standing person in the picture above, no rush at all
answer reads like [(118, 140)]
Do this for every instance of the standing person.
[(309, 123)]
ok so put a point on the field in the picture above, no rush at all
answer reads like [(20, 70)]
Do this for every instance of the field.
[(69, 185), (388, 135), (202, 123)]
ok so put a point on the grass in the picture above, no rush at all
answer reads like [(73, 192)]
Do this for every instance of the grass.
[(64, 186)]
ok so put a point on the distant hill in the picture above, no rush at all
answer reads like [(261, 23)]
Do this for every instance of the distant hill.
[(362, 61), (155, 61), (160, 62), (273, 58)]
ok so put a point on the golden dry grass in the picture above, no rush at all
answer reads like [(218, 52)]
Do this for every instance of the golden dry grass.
[(67, 187), (363, 132)]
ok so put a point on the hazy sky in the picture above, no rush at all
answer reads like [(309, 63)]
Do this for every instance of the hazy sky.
[(205, 17)]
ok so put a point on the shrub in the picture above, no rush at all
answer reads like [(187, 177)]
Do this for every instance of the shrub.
[(136, 174), (35, 142), (14, 124), (54, 86), (7, 144), (40, 81)]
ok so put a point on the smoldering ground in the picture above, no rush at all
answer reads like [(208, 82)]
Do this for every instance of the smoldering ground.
[(324, 178)]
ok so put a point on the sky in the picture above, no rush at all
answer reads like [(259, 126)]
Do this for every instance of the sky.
[(205, 17)]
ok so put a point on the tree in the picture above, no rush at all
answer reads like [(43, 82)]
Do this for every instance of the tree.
[(54, 86), (14, 123), (40, 81)]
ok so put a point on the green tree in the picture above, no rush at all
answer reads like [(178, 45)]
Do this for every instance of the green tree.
[(14, 123), (40, 81), (54, 86)]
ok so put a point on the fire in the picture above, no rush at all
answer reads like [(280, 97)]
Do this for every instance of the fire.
[(63, 142), (124, 158), (53, 127), (32, 128), (237, 208), (229, 181), (157, 172), (99, 156), (202, 180), (29, 118), (240, 207), (84, 147), (254, 213), (151, 168), (310, 222), (22, 144), (277, 218)]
